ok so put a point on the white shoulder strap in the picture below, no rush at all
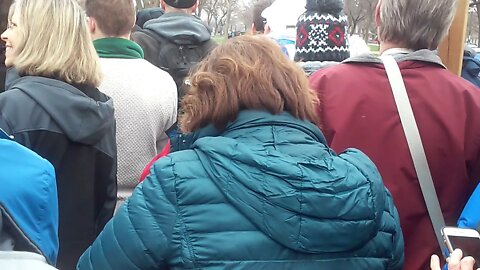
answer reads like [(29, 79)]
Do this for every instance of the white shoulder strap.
[(415, 145)]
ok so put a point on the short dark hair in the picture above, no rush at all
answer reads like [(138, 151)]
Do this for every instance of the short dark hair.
[(147, 14), (246, 73), (258, 20), (334, 7), (114, 17)]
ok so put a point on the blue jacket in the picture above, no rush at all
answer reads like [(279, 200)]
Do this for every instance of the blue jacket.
[(471, 70), (266, 193), (28, 199), (470, 217)]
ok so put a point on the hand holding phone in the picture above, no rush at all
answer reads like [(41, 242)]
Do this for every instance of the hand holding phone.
[(455, 262), (467, 240)]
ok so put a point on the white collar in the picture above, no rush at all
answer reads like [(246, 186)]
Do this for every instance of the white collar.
[(395, 51), (21, 255)]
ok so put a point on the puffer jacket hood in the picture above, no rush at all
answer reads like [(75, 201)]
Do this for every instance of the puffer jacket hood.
[(304, 206), (28, 200), (180, 28), (64, 103)]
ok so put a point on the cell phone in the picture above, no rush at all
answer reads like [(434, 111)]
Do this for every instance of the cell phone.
[(467, 240)]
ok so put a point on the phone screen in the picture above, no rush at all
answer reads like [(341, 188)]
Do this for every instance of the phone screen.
[(469, 245)]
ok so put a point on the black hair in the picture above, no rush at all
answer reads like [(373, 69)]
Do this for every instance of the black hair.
[(259, 21), (334, 7), (147, 14)]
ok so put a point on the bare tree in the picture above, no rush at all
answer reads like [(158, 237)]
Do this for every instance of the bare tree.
[(219, 13), (148, 3), (212, 11), (361, 15), (369, 7), (229, 4), (355, 13), (476, 7)]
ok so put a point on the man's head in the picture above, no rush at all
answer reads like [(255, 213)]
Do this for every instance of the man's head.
[(113, 18), (414, 24), (185, 6), (259, 22)]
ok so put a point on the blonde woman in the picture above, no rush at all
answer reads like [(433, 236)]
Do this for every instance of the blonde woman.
[(54, 108)]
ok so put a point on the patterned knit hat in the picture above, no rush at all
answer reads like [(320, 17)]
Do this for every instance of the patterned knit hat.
[(321, 32), (181, 3)]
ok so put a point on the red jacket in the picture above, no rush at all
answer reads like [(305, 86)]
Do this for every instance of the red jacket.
[(357, 109), (146, 170)]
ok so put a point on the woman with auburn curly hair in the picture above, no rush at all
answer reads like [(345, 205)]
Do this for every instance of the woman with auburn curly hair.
[(252, 184)]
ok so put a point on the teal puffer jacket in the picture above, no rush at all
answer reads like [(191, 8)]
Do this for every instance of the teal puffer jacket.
[(266, 193)]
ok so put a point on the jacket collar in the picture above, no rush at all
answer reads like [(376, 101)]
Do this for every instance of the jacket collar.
[(248, 119), (4, 135), (427, 56), (397, 51), (21, 255), (118, 48)]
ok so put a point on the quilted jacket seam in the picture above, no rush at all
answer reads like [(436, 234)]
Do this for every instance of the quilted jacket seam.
[(183, 226)]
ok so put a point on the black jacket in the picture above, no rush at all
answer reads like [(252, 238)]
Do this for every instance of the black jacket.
[(3, 69), (73, 127)]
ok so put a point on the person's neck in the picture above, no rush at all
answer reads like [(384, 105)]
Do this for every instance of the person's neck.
[(169, 9), (384, 46), (99, 35)]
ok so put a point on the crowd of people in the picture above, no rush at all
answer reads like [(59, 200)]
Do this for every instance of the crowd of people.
[(137, 142)]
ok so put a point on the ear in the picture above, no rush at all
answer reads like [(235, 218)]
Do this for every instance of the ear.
[(267, 29), (377, 13), (194, 8), (92, 25), (162, 4), (253, 30)]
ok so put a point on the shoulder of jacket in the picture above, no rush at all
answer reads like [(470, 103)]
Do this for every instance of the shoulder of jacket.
[(9, 101), (12, 93), (144, 36), (172, 166), (167, 172)]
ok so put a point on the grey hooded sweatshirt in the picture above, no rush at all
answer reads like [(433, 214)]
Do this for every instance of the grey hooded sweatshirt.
[(73, 127), (178, 28)]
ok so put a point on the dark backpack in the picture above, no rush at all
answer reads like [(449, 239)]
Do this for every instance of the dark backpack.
[(180, 56), (471, 70)]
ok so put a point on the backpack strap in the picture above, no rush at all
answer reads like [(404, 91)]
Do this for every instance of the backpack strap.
[(415, 146)]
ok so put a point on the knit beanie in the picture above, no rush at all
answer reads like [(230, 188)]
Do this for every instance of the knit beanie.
[(180, 3), (322, 32)]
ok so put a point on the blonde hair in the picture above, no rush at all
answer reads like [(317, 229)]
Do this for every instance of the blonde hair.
[(55, 42), (246, 73)]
